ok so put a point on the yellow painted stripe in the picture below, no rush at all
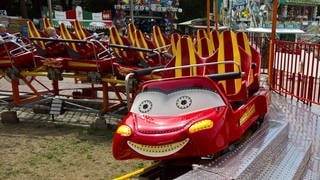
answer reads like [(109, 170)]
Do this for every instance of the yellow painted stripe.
[(178, 60), (248, 50), (82, 34), (132, 36), (221, 58), (2, 61), (139, 40), (33, 32), (81, 64), (66, 35), (116, 39), (138, 172), (174, 43), (237, 58), (192, 55)]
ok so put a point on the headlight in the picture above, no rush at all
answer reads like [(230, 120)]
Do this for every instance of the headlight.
[(124, 130), (201, 125)]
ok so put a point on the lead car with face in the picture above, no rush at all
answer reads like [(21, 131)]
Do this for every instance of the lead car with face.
[(185, 117)]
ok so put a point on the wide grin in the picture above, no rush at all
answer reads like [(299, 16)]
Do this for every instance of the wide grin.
[(158, 151)]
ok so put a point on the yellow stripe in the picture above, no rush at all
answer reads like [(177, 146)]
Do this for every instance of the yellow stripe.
[(2, 61), (236, 58), (174, 44), (81, 64), (79, 27), (221, 58), (114, 35), (178, 71), (248, 50), (33, 32), (77, 30), (66, 35), (193, 70), (138, 41), (132, 29), (199, 46)]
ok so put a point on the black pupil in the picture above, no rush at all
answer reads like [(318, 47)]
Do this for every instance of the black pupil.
[(183, 102), (145, 106)]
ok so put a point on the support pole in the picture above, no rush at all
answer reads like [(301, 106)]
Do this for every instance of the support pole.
[(50, 10), (208, 16), (216, 14), (131, 11), (273, 38)]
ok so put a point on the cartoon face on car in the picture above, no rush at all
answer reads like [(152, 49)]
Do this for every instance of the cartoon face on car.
[(168, 122)]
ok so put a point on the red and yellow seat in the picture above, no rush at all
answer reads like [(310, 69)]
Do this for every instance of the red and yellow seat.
[(131, 33), (80, 32), (128, 57), (229, 51), (76, 50), (214, 38), (256, 59), (160, 41), (204, 47), (185, 55), (52, 49), (175, 37)]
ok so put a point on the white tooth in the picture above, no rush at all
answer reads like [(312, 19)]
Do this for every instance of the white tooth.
[(158, 151)]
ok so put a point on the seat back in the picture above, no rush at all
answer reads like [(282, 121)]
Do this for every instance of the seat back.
[(79, 31), (204, 47), (243, 42), (214, 38), (141, 42), (34, 33), (229, 51), (159, 40), (115, 38), (128, 57), (186, 55), (46, 23), (65, 34), (201, 33), (175, 37), (131, 33)]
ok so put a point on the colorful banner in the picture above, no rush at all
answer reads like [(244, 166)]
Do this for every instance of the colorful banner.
[(90, 20)]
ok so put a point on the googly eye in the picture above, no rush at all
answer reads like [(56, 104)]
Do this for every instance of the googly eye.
[(145, 106), (183, 102)]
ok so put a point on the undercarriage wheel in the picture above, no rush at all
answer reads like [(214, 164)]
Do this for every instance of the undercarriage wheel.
[(9, 117)]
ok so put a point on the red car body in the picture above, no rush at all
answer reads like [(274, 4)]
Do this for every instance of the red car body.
[(184, 117)]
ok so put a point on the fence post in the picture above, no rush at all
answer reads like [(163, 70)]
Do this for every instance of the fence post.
[(273, 35)]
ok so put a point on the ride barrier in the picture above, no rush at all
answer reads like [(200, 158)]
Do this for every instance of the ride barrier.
[(296, 70)]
